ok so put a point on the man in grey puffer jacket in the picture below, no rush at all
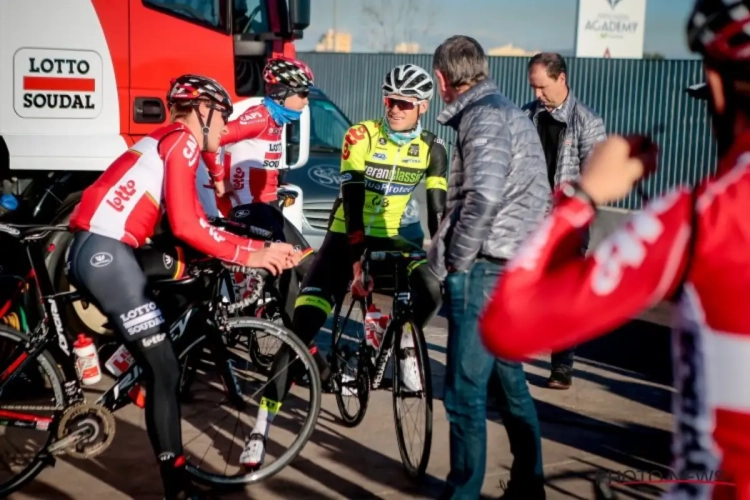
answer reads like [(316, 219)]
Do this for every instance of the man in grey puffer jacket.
[(497, 193), (569, 130)]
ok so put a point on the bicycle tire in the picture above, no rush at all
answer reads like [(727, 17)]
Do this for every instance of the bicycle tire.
[(362, 381), (57, 380), (414, 471), (289, 338)]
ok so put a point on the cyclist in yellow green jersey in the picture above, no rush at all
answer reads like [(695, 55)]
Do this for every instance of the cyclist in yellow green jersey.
[(382, 162)]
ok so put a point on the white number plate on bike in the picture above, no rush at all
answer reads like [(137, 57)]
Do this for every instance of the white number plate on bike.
[(119, 361)]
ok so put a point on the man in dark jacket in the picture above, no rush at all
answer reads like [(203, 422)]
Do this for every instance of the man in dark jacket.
[(569, 130), (497, 193)]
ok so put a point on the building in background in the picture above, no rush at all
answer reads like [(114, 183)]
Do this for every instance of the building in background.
[(333, 41), (511, 50), (611, 28), (406, 48)]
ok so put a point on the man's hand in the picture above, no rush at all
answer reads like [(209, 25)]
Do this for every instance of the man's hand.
[(276, 258), (359, 289), (616, 165), (222, 188)]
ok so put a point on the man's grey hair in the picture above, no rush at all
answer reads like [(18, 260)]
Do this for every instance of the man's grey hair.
[(461, 60)]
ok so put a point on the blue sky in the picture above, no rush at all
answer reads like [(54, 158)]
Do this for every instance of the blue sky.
[(531, 24)]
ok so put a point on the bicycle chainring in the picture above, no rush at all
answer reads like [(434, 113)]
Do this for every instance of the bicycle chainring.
[(250, 289), (102, 429)]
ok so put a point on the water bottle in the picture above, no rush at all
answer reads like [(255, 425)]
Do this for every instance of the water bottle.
[(372, 324), (87, 360)]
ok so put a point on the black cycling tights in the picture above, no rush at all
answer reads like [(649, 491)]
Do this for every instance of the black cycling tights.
[(109, 271)]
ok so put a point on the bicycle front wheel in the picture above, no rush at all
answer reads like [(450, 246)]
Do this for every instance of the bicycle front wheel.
[(348, 360), (217, 422), (412, 390)]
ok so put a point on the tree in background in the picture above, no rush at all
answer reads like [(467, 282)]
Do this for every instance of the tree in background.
[(391, 22)]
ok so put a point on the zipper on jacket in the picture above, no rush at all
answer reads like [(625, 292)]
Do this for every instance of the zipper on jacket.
[(560, 146)]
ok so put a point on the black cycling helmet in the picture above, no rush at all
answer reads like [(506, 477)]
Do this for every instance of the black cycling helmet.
[(191, 89), (719, 30), (285, 76)]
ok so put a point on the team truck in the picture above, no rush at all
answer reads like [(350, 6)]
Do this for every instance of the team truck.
[(85, 79)]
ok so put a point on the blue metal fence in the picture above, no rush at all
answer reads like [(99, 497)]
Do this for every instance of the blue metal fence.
[(631, 96)]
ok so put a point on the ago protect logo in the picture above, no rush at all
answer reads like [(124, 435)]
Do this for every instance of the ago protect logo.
[(661, 477)]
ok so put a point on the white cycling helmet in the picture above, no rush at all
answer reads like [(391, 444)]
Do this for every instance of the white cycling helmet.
[(409, 80)]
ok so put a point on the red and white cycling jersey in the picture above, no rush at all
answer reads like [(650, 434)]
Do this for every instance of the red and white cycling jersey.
[(157, 174), (550, 298), (255, 157), (250, 159)]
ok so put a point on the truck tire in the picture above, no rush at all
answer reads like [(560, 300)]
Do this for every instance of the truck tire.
[(81, 317)]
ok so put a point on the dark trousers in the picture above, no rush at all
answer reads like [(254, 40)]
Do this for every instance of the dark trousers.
[(565, 358), (468, 371)]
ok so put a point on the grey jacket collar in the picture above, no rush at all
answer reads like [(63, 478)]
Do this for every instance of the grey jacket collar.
[(450, 116), (563, 113)]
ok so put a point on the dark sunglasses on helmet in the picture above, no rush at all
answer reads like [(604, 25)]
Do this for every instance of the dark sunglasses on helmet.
[(402, 104), (303, 93), (222, 110)]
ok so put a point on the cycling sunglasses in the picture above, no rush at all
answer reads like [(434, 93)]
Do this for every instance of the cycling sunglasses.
[(222, 110), (402, 104), (302, 93)]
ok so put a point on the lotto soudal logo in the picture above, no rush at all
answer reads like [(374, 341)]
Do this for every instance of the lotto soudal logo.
[(272, 157), (51, 83)]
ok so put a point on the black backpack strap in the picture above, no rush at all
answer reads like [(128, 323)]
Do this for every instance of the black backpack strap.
[(691, 246)]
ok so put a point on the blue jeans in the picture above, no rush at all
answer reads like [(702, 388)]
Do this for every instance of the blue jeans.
[(469, 367)]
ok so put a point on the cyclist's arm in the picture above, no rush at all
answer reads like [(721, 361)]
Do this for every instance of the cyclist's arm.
[(186, 216), (550, 297), (214, 167), (353, 153), (436, 184), (249, 125)]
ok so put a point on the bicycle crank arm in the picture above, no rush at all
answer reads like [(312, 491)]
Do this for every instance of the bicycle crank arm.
[(59, 447)]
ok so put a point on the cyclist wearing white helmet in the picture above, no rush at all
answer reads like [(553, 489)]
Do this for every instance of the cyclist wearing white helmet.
[(690, 245), (382, 162)]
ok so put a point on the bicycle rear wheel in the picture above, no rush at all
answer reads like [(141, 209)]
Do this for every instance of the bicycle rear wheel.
[(206, 439), (412, 380), (349, 360), (35, 396)]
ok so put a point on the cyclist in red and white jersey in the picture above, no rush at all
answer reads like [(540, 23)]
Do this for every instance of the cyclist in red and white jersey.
[(254, 164), (690, 244), (121, 212)]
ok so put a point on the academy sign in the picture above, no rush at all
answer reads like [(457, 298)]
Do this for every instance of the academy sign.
[(611, 28)]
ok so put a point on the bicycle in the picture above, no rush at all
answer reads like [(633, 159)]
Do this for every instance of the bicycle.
[(354, 373), (84, 430), (269, 300)]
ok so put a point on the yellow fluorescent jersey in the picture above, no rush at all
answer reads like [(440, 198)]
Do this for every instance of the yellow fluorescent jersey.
[(389, 173)]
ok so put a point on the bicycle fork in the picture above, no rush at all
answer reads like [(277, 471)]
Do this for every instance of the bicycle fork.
[(224, 362)]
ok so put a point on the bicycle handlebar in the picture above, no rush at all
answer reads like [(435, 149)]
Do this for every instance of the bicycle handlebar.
[(29, 232)]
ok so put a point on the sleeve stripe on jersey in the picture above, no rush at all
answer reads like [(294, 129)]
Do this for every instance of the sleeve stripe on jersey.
[(436, 183)]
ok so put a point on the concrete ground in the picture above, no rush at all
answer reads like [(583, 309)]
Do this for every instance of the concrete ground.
[(616, 417)]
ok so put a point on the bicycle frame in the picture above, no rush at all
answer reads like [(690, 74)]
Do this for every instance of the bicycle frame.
[(43, 338), (401, 307)]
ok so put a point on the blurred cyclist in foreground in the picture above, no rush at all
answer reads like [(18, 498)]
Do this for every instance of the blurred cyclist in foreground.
[(692, 245)]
